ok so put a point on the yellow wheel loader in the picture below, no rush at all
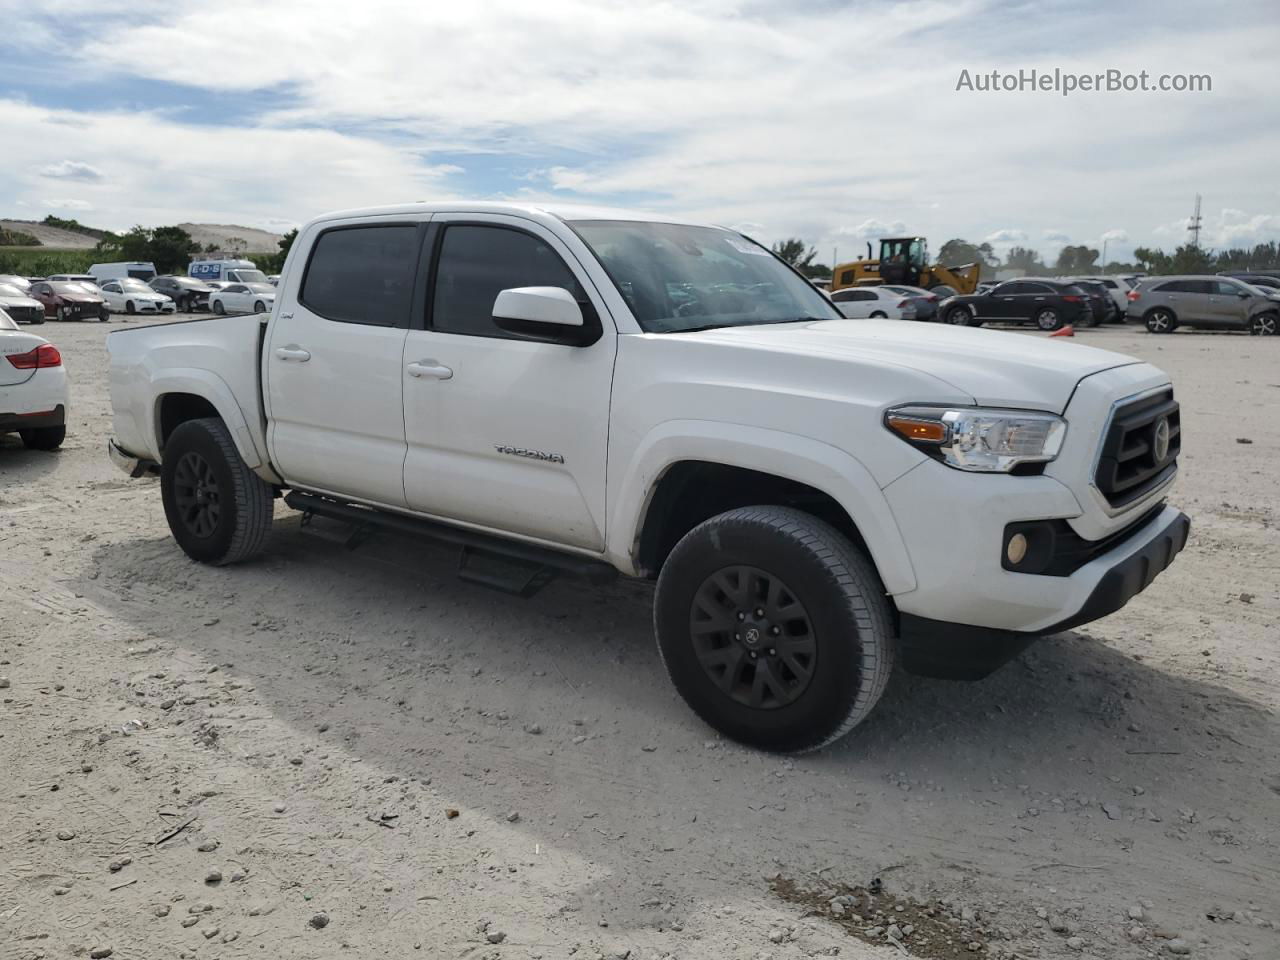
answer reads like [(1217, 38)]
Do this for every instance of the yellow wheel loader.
[(904, 261)]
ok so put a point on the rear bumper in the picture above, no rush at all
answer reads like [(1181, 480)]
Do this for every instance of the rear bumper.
[(962, 652), (131, 464), (13, 422)]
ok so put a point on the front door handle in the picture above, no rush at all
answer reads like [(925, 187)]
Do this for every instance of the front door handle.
[(429, 369), (294, 353)]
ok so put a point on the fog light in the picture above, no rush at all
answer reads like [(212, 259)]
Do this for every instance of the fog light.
[(1016, 551)]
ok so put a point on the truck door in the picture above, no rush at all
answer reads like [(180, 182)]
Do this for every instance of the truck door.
[(504, 432), (332, 367)]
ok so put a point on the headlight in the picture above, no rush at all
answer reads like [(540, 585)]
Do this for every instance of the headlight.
[(977, 439)]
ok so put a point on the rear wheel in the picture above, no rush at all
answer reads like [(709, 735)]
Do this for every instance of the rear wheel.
[(43, 438), (960, 316), (1160, 320), (1264, 324), (218, 509), (774, 628), (879, 315), (1048, 319)]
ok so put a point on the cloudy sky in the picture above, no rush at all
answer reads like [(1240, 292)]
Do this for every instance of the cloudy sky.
[(833, 121)]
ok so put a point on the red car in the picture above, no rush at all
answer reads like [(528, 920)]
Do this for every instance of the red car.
[(68, 300)]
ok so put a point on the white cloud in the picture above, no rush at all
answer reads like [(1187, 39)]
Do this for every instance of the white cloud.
[(72, 170), (1006, 236), (67, 203), (1115, 235), (727, 110)]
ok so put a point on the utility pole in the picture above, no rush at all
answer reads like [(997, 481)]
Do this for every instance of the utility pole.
[(1104, 254), (1194, 226)]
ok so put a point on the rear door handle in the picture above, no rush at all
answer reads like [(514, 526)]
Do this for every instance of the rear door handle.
[(430, 370), (294, 353)]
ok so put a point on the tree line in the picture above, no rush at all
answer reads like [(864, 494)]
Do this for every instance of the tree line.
[(1073, 259), (171, 249)]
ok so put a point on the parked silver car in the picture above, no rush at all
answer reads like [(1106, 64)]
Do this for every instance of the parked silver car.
[(1166, 303)]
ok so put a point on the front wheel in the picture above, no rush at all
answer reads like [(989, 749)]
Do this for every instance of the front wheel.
[(774, 628), (129, 307), (43, 438), (62, 313), (1264, 324), (959, 317), (258, 307), (218, 308), (218, 509)]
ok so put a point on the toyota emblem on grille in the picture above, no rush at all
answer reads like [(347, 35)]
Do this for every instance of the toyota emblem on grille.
[(1160, 440)]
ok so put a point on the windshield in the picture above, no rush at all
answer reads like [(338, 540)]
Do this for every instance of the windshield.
[(250, 276), (261, 287), (677, 278), (138, 285), (66, 286), (9, 290)]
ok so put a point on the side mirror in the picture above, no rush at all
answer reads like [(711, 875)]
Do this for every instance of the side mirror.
[(550, 305), (549, 314)]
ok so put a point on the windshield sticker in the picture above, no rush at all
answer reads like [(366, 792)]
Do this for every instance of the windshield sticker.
[(743, 246)]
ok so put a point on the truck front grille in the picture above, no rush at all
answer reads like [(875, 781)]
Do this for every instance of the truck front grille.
[(1140, 449)]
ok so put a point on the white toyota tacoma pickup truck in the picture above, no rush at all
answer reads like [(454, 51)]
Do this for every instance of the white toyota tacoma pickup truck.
[(597, 392)]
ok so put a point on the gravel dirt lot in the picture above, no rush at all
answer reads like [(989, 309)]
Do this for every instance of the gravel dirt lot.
[(350, 753)]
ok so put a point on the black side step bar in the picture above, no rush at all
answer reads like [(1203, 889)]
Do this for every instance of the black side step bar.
[(508, 565)]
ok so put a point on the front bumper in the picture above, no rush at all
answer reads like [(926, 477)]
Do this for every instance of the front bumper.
[(962, 652)]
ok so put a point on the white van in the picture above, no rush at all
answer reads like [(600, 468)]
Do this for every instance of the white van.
[(138, 270), (230, 271)]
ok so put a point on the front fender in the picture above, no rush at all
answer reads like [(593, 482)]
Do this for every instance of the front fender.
[(206, 384), (802, 459)]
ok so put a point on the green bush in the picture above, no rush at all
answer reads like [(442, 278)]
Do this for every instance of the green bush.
[(16, 238)]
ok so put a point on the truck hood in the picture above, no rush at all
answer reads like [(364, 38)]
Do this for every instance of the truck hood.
[(995, 369)]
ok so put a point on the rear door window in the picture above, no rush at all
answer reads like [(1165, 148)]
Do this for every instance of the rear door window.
[(362, 274)]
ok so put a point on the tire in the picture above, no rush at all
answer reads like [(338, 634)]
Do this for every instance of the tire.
[(218, 308), (1161, 320), (959, 316), (1264, 324), (844, 617), (879, 315), (258, 307), (43, 438), (37, 320), (184, 304), (218, 509), (129, 307), (62, 313), (1048, 319), (104, 315)]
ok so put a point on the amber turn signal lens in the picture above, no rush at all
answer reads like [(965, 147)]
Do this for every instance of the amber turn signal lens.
[(921, 431)]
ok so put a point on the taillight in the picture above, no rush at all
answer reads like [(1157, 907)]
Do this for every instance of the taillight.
[(901, 304), (45, 355), (1071, 298), (1133, 295)]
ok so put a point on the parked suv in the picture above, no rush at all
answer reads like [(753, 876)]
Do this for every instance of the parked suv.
[(1049, 304), (1223, 303), (600, 393)]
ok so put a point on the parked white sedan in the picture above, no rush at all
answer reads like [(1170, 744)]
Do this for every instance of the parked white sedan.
[(243, 298), (861, 302), (19, 306), (131, 295), (33, 387)]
